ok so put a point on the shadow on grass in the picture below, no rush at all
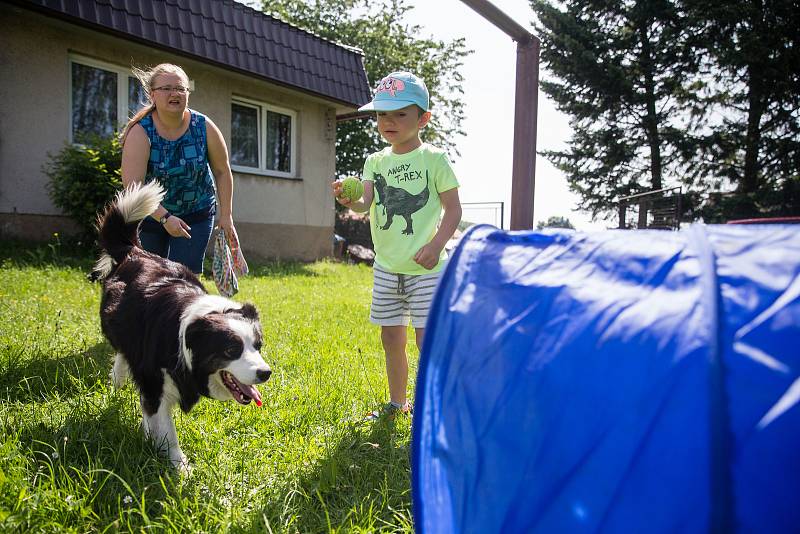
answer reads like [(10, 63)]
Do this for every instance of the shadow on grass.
[(363, 481), (44, 377), (102, 453), (84, 442), (69, 252), (58, 252), (279, 268)]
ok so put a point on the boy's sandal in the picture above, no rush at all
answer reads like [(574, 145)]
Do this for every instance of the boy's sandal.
[(389, 411)]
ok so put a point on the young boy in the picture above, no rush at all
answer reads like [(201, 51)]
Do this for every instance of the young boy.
[(411, 183)]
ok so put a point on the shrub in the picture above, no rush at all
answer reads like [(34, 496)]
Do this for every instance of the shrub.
[(354, 227), (769, 201), (84, 178)]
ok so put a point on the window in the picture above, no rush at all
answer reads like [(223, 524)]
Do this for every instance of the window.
[(103, 97), (137, 96), (245, 135), (262, 138), (94, 102)]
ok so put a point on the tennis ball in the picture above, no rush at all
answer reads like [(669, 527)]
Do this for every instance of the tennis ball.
[(352, 188)]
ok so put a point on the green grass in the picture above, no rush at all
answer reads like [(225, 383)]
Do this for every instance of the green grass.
[(72, 455)]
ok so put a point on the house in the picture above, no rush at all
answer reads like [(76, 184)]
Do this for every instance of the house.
[(273, 89)]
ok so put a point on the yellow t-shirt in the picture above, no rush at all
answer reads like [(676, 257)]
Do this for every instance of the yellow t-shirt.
[(406, 208)]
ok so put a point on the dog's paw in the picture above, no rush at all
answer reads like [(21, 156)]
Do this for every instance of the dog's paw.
[(181, 464)]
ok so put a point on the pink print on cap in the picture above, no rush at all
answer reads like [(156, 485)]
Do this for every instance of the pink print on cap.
[(391, 86), (398, 90)]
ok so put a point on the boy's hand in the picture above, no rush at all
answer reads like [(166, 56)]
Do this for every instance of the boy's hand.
[(337, 192), (428, 256)]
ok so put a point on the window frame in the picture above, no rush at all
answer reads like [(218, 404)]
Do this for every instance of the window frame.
[(263, 108), (122, 88)]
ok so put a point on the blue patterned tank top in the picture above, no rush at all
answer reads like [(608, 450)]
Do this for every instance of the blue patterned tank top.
[(181, 167)]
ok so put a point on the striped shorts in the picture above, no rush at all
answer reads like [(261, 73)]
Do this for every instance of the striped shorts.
[(398, 297)]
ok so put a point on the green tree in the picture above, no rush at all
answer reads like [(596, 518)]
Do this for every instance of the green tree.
[(377, 27), (750, 139), (555, 222), (620, 71)]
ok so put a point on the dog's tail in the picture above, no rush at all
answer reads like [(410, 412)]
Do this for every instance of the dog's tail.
[(118, 226)]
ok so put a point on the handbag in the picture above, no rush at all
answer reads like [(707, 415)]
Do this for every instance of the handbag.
[(228, 261)]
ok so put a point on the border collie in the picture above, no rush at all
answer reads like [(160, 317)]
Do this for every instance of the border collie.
[(174, 340)]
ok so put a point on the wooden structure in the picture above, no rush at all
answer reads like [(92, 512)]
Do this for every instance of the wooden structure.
[(660, 209)]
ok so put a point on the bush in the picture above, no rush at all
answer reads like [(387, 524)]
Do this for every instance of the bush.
[(770, 201), (354, 227), (84, 178)]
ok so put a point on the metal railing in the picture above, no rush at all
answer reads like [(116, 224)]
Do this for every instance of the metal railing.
[(483, 212), (660, 209)]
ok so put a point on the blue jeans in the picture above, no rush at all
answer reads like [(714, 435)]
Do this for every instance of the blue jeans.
[(189, 252)]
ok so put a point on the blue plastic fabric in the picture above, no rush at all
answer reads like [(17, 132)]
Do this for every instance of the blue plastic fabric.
[(619, 381)]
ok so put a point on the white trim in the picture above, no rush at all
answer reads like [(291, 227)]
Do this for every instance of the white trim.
[(263, 108), (262, 172)]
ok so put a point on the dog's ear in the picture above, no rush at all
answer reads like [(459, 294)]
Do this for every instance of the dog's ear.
[(200, 331), (249, 312), (193, 331)]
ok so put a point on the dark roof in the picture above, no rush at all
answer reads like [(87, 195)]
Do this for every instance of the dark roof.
[(230, 35)]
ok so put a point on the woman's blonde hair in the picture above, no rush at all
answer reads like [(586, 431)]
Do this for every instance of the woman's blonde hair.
[(146, 78)]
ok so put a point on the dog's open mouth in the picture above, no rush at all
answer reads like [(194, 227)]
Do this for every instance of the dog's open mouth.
[(241, 392)]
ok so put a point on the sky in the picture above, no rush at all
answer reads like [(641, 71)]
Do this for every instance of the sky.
[(484, 167)]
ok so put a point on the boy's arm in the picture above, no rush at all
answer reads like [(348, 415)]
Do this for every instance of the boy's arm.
[(428, 256), (359, 206)]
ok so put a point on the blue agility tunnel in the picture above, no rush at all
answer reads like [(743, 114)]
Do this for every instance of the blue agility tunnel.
[(620, 381)]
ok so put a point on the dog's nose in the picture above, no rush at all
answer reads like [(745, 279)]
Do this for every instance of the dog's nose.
[(263, 374)]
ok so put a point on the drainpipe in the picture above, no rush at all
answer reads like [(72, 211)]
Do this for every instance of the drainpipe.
[(523, 176)]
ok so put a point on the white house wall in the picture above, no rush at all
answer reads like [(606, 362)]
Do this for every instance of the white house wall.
[(275, 216)]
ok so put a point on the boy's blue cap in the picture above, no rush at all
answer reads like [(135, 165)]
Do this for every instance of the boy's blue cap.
[(398, 90)]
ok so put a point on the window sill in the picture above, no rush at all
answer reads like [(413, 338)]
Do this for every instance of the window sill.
[(262, 172)]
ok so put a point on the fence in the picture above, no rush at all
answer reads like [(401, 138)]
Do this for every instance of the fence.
[(483, 213)]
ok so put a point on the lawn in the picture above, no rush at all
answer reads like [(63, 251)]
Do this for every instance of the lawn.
[(72, 455)]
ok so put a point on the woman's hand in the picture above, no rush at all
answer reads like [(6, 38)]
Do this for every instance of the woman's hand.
[(176, 227), (226, 223)]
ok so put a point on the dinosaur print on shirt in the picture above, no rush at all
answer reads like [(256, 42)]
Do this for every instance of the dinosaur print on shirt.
[(406, 206), (397, 201)]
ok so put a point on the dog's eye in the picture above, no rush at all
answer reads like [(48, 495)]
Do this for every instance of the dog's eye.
[(257, 345)]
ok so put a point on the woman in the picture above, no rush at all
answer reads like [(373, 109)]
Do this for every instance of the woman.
[(174, 145)]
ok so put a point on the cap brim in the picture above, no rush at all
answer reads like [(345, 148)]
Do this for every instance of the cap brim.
[(387, 105)]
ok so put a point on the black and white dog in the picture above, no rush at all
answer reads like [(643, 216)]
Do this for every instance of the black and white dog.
[(173, 339)]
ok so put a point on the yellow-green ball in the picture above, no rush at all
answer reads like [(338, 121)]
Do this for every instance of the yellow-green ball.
[(352, 188)]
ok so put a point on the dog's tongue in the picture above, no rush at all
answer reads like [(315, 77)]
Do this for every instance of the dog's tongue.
[(250, 391)]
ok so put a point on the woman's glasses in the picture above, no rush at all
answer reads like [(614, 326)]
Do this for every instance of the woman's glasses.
[(169, 89)]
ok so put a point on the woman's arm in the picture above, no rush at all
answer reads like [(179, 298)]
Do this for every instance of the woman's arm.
[(135, 155), (220, 166)]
